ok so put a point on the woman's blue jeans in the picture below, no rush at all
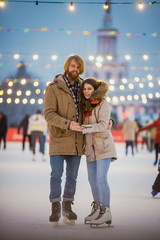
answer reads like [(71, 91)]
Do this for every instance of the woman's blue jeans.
[(57, 166), (97, 176)]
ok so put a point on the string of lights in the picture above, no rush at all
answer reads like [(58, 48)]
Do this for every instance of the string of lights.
[(91, 57), (78, 2), (106, 4)]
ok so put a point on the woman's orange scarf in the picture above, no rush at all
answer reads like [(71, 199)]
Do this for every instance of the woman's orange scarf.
[(92, 105)]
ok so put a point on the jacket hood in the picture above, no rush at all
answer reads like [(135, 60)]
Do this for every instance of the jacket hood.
[(100, 92), (36, 118)]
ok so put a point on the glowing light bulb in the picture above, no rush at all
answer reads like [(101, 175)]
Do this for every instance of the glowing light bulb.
[(124, 80), (23, 81), (122, 87), (145, 57), (40, 101), (24, 101), (28, 93), (2, 3), (141, 85), (122, 98), (91, 57), (157, 94), (17, 101), (9, 100), (10, 84), (106, 6), (9, 91), (130, 86), (98, 64), (129, 97), (128, 57), (71, 7), (16, 56), (144, 100), (150, 95), (99, 59), (108, 99), (136, 97), (109, 57), (136, 79), (112, 81), (36, 83), (32, 101), (150, 84), (111, 88), (1, 92), (37, 91), (54, 57), (35, 57), (19, 93), (115, 100), (140, 5)]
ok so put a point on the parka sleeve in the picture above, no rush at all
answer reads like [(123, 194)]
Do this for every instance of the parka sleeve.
[(148, 126), (50, 110), (102, 117)]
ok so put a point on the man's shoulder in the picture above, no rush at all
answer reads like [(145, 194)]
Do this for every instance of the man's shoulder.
[(58, 79)]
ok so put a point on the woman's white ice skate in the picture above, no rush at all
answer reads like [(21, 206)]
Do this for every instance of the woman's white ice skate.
[(94, 213), (104, 218)]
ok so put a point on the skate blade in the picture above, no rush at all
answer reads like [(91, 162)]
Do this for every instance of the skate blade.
[(68, 221), (103, 225), (87, 221)]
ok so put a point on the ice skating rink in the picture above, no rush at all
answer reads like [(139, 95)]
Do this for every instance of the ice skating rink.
[(25, 206)]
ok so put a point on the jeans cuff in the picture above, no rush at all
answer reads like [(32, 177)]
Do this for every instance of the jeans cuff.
[(67, 199), (55, 200)]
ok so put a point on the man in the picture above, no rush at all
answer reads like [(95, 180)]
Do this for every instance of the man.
[(61, 111)]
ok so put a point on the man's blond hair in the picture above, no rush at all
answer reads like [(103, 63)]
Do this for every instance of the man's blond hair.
[(78, 59)]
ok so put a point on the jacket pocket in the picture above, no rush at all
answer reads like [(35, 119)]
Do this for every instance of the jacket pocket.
[(101, 142), (58, 132)]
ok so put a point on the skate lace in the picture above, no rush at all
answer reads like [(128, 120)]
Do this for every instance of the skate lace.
[(102, 211), (68, 205), (55, 207), (94, 208)]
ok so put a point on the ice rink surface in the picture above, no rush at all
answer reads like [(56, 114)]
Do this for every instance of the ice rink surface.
[(25, 206)]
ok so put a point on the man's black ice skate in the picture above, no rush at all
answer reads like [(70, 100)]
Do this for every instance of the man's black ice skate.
[(69, 216), (56, 213)]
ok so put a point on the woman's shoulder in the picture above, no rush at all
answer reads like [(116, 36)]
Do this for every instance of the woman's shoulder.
[(105, 103)]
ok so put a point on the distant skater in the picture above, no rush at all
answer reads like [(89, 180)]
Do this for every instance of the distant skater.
[(24, 125), (3, 129)]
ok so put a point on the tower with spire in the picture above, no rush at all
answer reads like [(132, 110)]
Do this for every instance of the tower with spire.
[(106, 65)]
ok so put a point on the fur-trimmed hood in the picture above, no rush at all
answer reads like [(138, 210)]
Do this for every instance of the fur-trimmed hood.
[(100, 92)]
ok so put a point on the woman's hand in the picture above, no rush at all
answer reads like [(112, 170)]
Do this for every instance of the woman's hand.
[(74, 126)]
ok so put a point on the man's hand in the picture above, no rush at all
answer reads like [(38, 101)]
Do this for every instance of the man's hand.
[(74, 126)]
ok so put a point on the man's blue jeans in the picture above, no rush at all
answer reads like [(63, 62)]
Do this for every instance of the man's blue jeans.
[(57, 166), (97, 176)]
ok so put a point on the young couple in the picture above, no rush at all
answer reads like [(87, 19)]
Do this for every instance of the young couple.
[(78, 118)]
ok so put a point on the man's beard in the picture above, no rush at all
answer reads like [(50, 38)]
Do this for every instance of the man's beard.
[(73, 77)]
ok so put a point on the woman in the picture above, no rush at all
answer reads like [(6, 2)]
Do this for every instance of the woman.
[(99, 147)]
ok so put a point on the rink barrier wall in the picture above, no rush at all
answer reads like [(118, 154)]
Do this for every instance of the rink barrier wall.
[(13, 136)]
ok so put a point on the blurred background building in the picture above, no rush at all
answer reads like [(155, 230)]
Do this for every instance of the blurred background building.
[(131, 96)]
